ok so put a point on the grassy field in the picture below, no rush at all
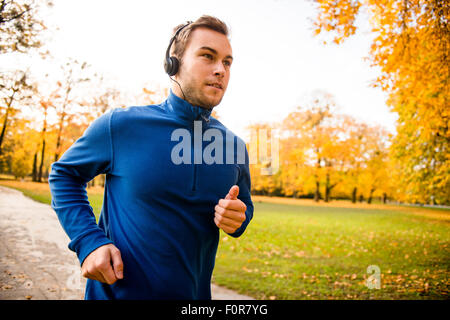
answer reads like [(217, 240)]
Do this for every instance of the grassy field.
[(296, 249), (322, 252)]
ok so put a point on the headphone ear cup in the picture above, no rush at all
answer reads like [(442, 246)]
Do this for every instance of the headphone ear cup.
[(172, 64), (167, 65)]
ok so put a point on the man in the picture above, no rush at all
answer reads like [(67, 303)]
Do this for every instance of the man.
[(158, 231)]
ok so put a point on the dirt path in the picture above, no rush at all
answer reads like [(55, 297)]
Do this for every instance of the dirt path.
[(35, 262)]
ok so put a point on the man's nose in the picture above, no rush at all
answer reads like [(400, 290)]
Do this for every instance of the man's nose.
[(219, 69)]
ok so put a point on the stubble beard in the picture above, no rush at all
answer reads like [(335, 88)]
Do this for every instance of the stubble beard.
[(196, 97)]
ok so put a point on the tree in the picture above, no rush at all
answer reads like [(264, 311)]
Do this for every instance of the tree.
[(45, 103), (356, 149), (319, 133), (74, 74), (16, 151), (14, 88), (20, 25), (292, 164), (411, 47), (374, 176), (263, 157), (323, 154)]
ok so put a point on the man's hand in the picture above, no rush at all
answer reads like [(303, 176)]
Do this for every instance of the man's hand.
[(230, 212), (103, 264)]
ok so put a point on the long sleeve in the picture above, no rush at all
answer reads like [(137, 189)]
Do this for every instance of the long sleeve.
[(163, 228), (89, 156), (244, 184)]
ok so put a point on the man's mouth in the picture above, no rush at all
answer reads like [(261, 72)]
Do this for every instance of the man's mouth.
[(215, 85)]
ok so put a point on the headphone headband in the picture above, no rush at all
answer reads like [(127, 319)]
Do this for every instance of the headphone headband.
[(171, 64)]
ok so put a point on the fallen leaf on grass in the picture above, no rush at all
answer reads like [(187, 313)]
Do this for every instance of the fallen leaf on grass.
[(300, 253), (246, 269)]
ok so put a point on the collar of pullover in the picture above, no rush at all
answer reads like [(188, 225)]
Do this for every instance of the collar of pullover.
[(184, 110)]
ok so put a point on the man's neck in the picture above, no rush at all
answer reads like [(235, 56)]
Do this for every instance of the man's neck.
[(177, 91)]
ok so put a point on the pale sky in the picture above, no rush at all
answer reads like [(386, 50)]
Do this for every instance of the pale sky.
[(277, 61)]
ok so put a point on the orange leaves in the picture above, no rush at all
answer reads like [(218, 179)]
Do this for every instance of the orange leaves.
[(247, 270), (321, 151), (337, 17), (410, 46)]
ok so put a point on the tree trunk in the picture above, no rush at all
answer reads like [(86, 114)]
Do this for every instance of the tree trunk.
[(34, 174), (384, 197), (42, 161), (369, 200), (58, 141), (361, 198), (327, 195), (61, 122), (317, 193), (328, 185), (5, 122), (44, 129), (355, 190), (327, 188)]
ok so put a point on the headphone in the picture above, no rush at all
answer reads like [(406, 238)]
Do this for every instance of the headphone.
[(171, 63)]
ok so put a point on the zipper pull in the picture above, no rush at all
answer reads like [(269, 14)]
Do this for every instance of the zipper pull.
[(204, 118)]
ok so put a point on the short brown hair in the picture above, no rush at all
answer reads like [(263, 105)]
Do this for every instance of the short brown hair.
[(205, 21)]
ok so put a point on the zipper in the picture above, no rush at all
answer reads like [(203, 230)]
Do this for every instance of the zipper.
[(194, 173), (194, 169), (194, 177)]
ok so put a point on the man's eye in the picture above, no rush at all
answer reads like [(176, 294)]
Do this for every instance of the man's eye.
[(208, 56), (227, 63)]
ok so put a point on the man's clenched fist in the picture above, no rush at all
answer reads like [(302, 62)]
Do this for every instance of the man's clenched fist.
[(103, 264), (230, 212)]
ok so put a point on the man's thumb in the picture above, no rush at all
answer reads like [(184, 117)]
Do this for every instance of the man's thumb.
[(117, 263), (233, 193)]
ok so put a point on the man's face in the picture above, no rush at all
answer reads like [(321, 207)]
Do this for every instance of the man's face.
[(205, 68)]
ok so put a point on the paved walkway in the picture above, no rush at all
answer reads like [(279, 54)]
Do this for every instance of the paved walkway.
[(35, 262)]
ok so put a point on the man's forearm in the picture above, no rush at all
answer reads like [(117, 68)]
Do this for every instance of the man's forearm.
[(71, 204)]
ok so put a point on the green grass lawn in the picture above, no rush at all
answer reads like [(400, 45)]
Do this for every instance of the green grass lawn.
[(314, 252), (298, 251)]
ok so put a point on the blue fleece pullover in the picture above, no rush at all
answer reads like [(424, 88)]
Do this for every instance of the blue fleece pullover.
[(158, 213)]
